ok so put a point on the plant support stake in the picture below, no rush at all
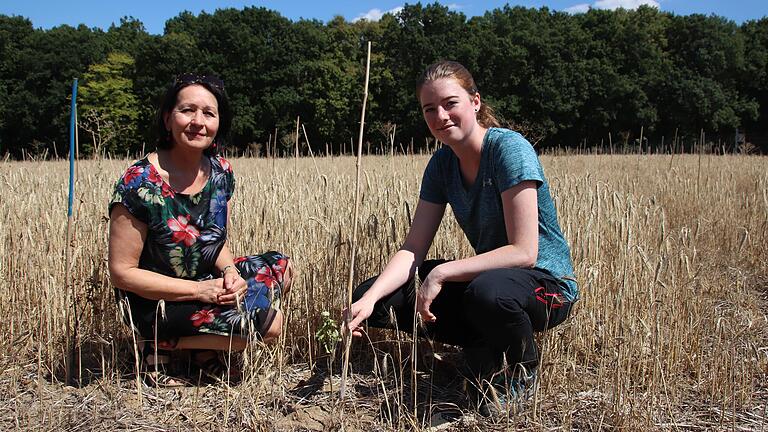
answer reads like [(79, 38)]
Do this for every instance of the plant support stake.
[(348, 334)]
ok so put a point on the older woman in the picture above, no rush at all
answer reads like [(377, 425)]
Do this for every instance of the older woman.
[(168, 241)]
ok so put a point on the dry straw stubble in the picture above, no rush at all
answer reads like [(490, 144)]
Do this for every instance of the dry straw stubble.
[(670, 332)]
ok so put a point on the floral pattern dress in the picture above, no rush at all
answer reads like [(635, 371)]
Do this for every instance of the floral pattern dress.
[(185, 234)]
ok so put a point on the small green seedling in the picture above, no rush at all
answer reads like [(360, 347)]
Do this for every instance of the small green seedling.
[(328, 336), (328, 333)]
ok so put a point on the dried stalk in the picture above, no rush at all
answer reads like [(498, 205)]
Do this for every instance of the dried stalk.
[(312, 154), (353, 247)]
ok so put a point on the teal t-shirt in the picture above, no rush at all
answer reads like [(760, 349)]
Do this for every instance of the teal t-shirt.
[(506, 160)]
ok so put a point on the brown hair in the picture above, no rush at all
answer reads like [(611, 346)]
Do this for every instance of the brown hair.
[(451, 69)]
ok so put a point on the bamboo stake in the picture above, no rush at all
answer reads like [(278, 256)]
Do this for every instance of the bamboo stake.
[(698, 169), (312, 154), (414, 350), (674, 150), (275, 154), (348, 334), (274, 146), (296, 154), (610, 142)]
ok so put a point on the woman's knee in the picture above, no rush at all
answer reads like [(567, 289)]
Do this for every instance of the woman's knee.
[(491, 293), (481, 293), (275, 328), (288, 277)]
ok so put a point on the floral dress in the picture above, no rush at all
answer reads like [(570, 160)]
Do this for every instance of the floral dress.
[(185, 234)]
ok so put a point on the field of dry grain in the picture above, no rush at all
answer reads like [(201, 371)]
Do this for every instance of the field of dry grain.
[(671, 332)]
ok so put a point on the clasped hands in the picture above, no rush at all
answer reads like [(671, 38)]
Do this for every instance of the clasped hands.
[(226, 290)]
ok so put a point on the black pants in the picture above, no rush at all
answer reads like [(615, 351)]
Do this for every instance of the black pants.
[(492, 316)]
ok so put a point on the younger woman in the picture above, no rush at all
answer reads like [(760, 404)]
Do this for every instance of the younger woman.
[(521, 278)]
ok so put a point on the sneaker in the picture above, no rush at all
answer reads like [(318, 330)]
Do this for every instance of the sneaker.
[(503, 396)]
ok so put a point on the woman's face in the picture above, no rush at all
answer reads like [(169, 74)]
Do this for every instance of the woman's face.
[(450, 112), (194, 120)]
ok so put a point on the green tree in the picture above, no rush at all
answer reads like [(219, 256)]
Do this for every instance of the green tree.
[(702, 90), (754, 81), (330, 80), (563, 77), (127, 36), (15, 36), (37, 68), (252, 50), (108, 107), (411, 40), (158, 60)]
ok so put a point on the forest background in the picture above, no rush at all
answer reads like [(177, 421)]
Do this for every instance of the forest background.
[(625, 77)]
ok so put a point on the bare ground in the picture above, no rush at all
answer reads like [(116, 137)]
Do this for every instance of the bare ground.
[(299, 398)]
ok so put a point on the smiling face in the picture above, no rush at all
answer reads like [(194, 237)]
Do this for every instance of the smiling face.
[(194, 119), (450, 112)]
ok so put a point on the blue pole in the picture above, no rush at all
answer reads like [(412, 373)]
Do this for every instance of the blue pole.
[(69, 360), (72, 126)]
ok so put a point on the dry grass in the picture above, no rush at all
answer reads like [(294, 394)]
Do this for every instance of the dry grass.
[(671, 332)]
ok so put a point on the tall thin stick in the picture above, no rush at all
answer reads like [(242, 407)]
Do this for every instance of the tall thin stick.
[(296, 154), (274, 146), (414, 349), (69, 359), (311, 153), (347, 334)]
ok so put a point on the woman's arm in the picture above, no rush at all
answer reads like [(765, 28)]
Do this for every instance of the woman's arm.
[(402, 265), (225, 263), (521, 220), (126, 241)]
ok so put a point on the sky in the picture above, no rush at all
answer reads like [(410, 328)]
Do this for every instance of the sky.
[(103, 13)]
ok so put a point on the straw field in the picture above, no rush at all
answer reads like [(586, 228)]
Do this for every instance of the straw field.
[(671, 332)]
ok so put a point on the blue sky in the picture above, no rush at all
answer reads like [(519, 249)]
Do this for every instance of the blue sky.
[(102, 13)]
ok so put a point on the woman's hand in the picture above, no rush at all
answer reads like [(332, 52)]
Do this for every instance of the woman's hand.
[(236, 293), (230, 276), (209, 290), (235, 287), (428, 291), (358, 312)]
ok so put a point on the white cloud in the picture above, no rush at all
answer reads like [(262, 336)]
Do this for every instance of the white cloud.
[(454, 6), (577, 9), (376, 14), (610, 4), (626, 4)]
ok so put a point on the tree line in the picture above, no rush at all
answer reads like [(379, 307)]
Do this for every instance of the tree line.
[(564, 80)]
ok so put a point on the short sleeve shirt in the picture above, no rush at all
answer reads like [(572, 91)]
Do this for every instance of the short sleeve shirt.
[(185, 233), (507, 159)]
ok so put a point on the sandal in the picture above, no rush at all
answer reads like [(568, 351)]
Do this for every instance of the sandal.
[(211, 365), (157, 369)]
